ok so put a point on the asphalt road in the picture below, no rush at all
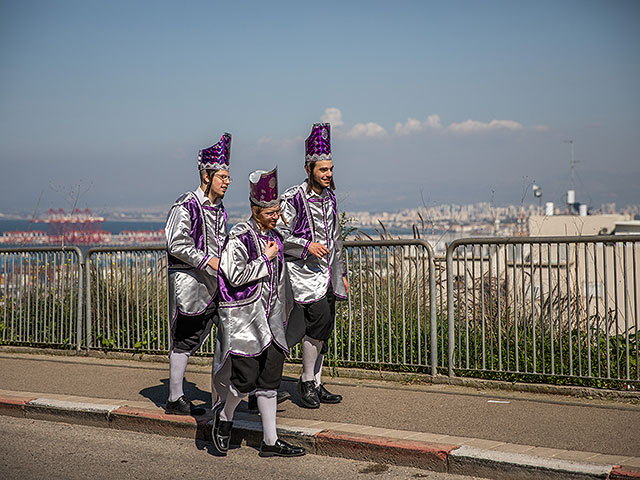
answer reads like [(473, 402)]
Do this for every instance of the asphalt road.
[(36, 449), (609, 427)]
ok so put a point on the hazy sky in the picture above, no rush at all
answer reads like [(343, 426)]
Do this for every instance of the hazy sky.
[(430, 101)]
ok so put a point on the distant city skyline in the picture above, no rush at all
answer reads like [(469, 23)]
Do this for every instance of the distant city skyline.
[(438, 224), (403, 217), (105, 104)]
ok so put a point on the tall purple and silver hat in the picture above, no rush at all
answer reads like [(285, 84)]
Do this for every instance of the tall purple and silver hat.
[(263, 188), (217, 156), (318, 143)]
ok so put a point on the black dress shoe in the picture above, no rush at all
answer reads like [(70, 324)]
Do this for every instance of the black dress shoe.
[(221, 431), (281, 449), (308, 394), (325, 396), (182, 406), (283, 396)]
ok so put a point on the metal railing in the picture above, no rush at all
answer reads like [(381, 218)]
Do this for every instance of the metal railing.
[(126, 300), (389, 317), (560, 306), (533, 306), (41, 296), (126, 307)]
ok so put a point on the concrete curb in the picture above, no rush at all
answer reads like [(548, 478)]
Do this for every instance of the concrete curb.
[(624, 473), (475, 461), (428, 456), (57, 410), (441, 457), (156, 422), (14, 406)]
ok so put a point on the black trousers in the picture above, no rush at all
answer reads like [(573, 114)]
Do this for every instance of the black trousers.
[(190, 331), (315, 320), (320, 317), (263, 371)]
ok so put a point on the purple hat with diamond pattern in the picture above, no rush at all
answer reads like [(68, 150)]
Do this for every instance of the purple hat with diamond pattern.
[(217, 156), (318, 143), (263, 188)]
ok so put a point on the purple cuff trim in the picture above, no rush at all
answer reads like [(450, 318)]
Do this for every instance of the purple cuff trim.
[(203, 262), (305, 251)]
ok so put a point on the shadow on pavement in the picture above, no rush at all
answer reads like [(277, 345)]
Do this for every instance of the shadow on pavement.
[(158, 394)]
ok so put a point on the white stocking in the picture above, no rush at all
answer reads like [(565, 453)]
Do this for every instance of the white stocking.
[(177, 368), (267, 406), (317, 371), (233, 400), (310, 351)]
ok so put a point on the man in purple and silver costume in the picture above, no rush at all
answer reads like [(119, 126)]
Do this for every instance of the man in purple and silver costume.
[(250, 342), (313, 252), (196, 230)]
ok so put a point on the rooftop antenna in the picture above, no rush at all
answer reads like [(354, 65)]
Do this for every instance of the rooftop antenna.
[(572, 205), (572, 164)]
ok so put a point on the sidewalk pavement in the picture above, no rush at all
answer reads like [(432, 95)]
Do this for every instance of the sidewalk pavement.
[(468, 430)]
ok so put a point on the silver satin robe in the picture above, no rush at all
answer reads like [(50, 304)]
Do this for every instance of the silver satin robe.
[(312, 218), (196, 231), (253, 303)]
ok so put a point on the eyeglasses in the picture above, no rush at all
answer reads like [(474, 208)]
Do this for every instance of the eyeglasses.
[(224, 178), (275, 213)]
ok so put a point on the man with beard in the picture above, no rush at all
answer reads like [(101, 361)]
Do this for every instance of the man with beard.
[(313, 251), (196, 230)]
